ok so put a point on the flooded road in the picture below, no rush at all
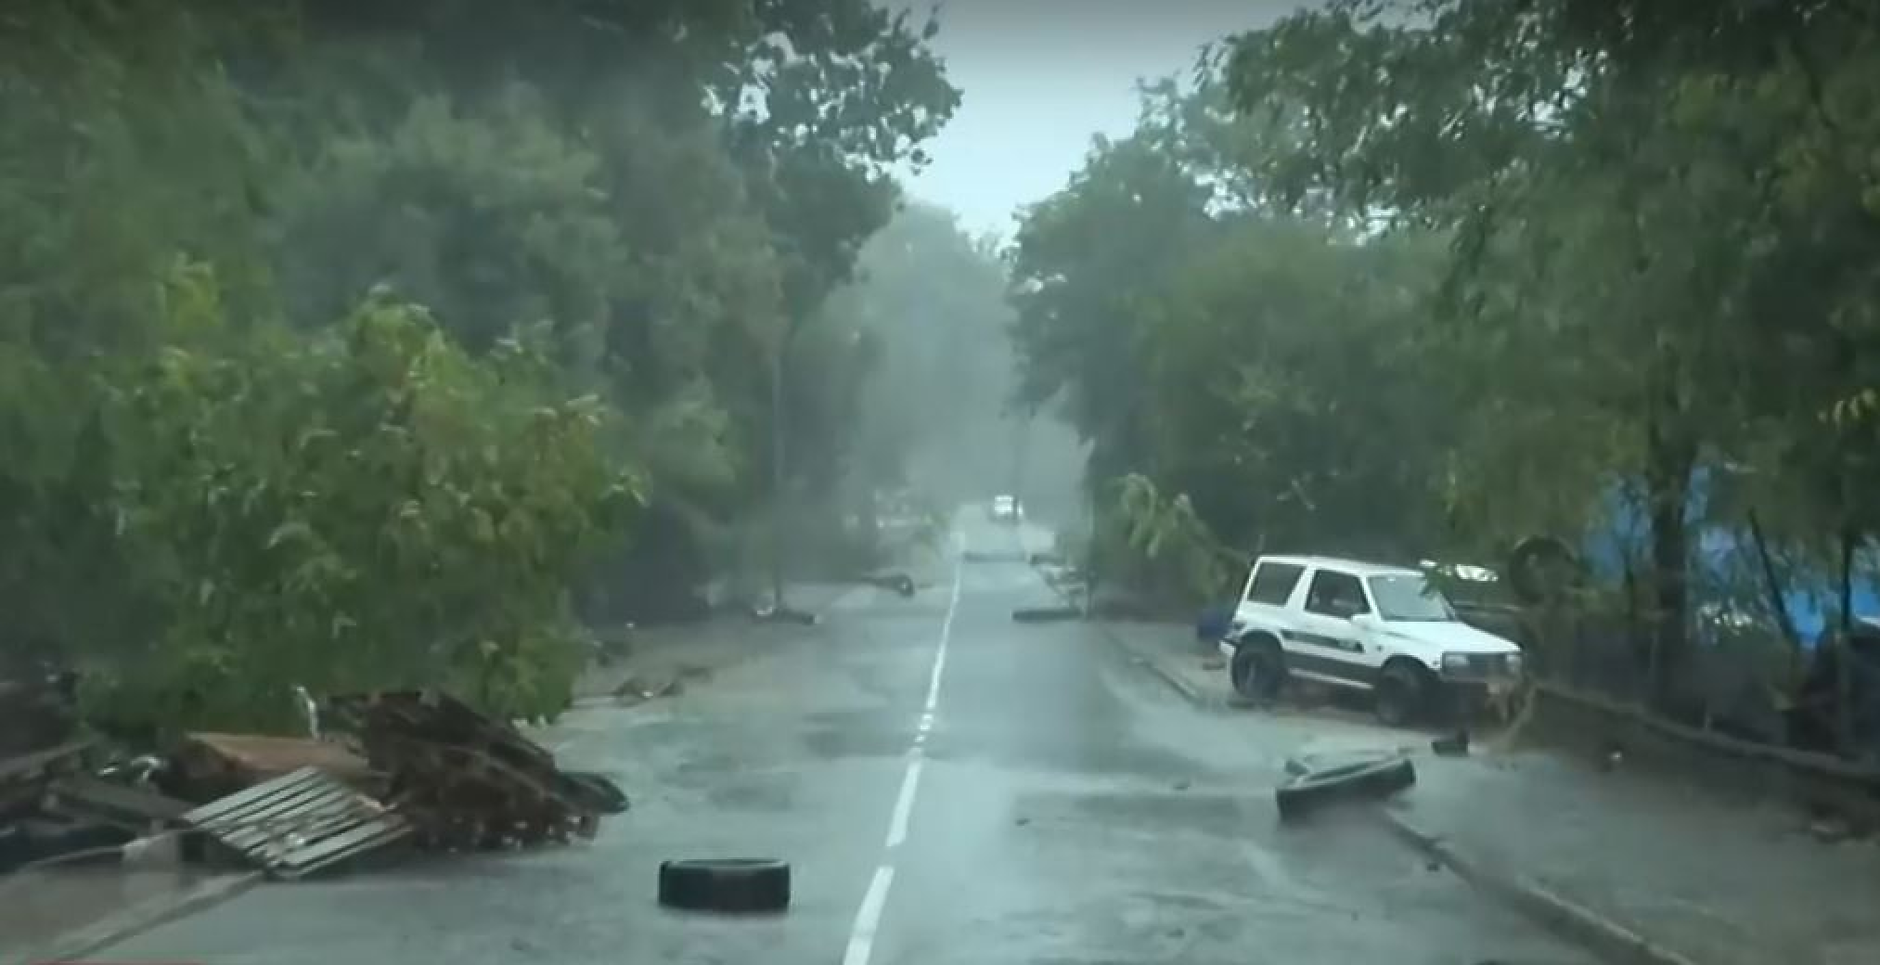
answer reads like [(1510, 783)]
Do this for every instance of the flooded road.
[(950, 788)]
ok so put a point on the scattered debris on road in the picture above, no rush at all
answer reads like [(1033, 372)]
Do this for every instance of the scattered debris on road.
[(900, 583), (36, 716), (1830, 830), (1452, 745), (775, 613), (1311, 789), (641, 688), (1046, 614), (24, 777), (468, 781), (736, 885), (416, 765), (84, 798), (299, 823), (210, 765)]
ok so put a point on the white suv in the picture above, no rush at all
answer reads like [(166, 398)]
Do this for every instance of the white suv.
[(1361, 626)]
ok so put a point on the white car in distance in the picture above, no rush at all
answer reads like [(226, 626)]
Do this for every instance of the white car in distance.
[(1382, 630)]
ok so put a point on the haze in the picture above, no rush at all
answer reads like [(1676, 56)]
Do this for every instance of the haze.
[(1039, 78)]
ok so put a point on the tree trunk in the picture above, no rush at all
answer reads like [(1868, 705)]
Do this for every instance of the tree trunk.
[(1668, 485), (1844, 651), (1773, 586), (778, 476)]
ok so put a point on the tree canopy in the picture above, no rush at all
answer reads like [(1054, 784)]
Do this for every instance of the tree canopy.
[(343, 337), (1425, 277)]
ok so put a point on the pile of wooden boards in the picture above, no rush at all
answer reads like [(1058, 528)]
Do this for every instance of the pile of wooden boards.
[(410, 766), (468, 781)]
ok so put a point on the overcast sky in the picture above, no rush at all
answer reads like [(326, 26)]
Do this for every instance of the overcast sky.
[(1038, 78)]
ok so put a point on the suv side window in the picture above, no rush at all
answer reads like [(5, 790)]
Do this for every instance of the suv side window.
[(1336, 594), (1273, 583)]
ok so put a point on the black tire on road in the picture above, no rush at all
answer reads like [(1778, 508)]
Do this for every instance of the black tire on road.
[(1405, 694), (734, 885), (1257, 671), (1346, 782)]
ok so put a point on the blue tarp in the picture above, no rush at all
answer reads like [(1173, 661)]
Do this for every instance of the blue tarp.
[(1726, 558)]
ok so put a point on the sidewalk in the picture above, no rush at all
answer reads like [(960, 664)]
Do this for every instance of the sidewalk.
[(1171, 652), (1716, 881), (56, 914), (1712, 880)]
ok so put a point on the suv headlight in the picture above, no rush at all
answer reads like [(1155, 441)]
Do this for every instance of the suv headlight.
[(1456, 662), (1513, 663)]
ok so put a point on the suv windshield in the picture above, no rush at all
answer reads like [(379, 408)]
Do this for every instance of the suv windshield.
[(1408, 596)]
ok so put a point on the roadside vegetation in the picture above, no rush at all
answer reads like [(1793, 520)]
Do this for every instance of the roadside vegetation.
[(366, 345), (1421, 279)]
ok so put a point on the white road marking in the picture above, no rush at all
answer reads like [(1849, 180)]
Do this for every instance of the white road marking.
[(904, 805), (940, 654), (868, 919)]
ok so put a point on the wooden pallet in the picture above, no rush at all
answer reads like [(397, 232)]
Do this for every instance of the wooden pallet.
[(299, 823)]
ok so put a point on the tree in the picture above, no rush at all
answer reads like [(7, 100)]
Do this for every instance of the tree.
[(269, 487), (1624, 181), (616, 203), (1082, 263)]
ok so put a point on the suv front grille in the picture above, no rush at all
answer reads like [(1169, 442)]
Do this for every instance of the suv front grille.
[(1483, 665)]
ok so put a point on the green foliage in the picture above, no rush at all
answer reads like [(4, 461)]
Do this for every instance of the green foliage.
[(1290, 395), (1270, 377), (221, 474), (491, 220), (271, 488), (1171, 548), (1465, 269)]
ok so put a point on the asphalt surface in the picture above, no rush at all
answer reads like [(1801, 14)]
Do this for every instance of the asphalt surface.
[(951, 788)]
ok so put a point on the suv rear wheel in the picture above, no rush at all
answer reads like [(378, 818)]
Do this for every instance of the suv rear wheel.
[(1258, 673)]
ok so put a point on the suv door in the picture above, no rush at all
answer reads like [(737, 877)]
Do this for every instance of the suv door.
[(1325, 644)]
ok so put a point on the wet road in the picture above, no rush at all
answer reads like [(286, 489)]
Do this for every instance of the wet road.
[(951, 788)]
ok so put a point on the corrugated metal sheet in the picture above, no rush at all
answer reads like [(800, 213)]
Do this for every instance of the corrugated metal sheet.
[(299, 823)]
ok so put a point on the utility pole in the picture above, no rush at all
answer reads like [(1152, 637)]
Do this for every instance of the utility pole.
[(778, 475), (1021, 443)]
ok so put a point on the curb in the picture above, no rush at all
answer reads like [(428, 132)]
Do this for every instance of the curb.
[(1187, 691), (1562, 916), (124, 925)]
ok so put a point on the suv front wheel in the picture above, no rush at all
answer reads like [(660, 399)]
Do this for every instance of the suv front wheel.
[(1404, 694)]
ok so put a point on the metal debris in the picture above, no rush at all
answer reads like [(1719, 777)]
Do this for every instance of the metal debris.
[(24, 778), (80, 797)]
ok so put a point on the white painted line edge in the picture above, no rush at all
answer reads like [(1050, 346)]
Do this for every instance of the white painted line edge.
[(904, 805), (868, 919)]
